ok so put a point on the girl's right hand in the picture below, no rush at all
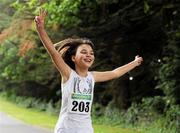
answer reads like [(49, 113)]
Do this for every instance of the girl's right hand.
[(40, 19)]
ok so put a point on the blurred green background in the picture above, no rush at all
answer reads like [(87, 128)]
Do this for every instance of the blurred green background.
[(146, 98)]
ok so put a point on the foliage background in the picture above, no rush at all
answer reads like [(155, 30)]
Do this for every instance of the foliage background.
[(120, 30)]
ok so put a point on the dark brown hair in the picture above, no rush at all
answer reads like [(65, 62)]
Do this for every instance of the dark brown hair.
[(71, 45)]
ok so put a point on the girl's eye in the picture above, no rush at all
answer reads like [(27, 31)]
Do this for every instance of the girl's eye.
[(92, 53), (83, 52)]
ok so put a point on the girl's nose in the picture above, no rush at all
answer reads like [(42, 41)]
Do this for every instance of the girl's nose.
[(89, 55)]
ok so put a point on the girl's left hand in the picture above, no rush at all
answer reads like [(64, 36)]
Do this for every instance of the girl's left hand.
[(138, 60)]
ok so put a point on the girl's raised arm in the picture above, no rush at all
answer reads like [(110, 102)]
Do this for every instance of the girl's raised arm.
[(62, 67), (116, 73)]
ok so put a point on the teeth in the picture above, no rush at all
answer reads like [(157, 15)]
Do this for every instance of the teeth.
[(88, 60)]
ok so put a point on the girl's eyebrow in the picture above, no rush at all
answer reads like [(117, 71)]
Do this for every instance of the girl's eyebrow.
[(86, 50), (83, 50)]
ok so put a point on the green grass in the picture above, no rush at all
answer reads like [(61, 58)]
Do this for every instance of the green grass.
[(30, 116), (43, 119)]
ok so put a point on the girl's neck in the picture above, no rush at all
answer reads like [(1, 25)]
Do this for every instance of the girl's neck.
[(81, 72)]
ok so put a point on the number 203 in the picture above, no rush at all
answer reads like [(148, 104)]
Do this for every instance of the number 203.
[(80, 106)]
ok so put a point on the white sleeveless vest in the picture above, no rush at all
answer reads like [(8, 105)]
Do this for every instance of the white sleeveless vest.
[(77, 97)]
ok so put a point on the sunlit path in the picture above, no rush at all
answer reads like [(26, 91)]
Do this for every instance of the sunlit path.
[(12, 125)]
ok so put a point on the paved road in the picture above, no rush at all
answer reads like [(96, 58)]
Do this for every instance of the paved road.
[(12, 125)]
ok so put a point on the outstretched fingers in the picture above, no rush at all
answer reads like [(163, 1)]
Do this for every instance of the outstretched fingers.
[(39, 20), (42, 13)]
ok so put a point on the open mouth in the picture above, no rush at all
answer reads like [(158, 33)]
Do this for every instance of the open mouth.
[(88, 60)]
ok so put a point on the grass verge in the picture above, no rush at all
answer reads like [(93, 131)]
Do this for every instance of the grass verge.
[(43, 119)]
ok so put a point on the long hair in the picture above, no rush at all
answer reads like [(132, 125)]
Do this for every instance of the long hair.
[(71, 45)]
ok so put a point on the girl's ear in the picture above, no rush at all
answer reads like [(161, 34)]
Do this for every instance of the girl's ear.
[(73, 58)]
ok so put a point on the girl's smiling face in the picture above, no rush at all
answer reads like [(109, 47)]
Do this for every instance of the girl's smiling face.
[(84, 57)]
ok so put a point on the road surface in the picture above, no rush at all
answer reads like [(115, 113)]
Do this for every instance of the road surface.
[(12, 125)]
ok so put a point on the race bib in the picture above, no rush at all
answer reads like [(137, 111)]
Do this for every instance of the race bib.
[(80, 103)]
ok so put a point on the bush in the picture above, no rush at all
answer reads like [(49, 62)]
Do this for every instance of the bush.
[(131, 116), (30, 102), (173, 118)]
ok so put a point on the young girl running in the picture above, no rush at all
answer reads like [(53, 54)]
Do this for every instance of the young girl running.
[(73, 58)]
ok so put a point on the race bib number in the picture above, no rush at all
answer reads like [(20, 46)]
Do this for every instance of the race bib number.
[(80, 103)]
